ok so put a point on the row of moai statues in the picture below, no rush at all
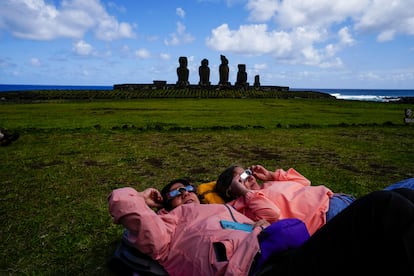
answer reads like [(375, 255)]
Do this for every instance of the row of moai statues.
[(204, 74)]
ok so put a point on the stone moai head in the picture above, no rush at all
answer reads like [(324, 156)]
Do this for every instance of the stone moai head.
[(204, 62), (183, 61)]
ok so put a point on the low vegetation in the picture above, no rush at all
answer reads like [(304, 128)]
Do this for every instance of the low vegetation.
[(118, 94), (71, 153)]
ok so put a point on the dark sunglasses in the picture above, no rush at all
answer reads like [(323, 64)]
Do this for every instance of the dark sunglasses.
[(174, 193)]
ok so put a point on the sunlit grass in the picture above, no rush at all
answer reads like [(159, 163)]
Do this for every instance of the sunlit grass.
[(55, 178)]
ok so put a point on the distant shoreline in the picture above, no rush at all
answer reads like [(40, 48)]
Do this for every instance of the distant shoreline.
[(406, 100), (45, 92)]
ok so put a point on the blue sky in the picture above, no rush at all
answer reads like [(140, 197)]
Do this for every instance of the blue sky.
[(296, 43)]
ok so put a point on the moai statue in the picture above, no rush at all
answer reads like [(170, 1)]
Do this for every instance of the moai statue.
[(409, 118), (224, 72), (241, 77), (182, 72), (256, 81), (204, 73)]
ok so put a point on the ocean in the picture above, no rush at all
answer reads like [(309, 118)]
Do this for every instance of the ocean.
[(24, 87), (380, 95)]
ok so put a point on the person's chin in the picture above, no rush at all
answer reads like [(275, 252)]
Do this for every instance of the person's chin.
[(189, 201)]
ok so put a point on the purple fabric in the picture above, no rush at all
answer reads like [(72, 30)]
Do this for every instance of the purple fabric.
[(280, 236)]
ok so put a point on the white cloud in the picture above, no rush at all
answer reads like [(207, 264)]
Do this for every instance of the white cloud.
[(109, 29), (152, 38), (40, 20), (313, 32), (115, 6), (180, 12), (369, 76), (394, 76), (82, 48), (386, 35), (125, 49), (180, 36), (318, 13), (258, 67), (142, 53), (249, 39), (336, 62), (35, 62), (262, 10), (165, 56), (404, 76), (295, 47), (345, 37), (387, 18), (303, 31)]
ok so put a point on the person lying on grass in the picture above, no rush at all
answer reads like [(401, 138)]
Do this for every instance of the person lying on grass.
[(283, 194), (189, 238)]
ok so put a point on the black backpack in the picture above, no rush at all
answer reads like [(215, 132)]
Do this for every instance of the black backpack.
[(127, 260)]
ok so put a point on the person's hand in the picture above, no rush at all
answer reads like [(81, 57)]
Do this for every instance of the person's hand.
[(261, 173), (152, 198), (261, 223), (237, 188)]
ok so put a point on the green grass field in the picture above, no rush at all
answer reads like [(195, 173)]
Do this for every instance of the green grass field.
[(56, 177)]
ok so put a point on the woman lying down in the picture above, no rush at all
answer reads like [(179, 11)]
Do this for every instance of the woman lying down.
[(374, 234)]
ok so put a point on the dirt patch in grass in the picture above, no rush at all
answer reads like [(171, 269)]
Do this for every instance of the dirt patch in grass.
[(42, 165), (154, 162)]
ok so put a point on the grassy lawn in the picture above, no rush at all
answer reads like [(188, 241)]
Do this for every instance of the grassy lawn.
[(56, 177)]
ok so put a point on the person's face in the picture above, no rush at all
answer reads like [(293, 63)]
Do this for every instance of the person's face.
[(250, 182), (184, 197)]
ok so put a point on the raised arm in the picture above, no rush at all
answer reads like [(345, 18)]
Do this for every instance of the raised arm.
[(133, 210), (291, 174), (255, 205)]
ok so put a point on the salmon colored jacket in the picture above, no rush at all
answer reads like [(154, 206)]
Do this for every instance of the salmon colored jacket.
[(185, 240), (290, 195)]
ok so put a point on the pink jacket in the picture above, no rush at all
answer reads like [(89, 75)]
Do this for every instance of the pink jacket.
[(290, 195), (182, 240)]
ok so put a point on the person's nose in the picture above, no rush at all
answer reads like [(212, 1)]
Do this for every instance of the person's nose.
[(247, 179)]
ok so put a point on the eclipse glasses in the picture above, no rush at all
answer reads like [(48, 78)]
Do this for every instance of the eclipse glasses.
[(174, 193), (246, 174)]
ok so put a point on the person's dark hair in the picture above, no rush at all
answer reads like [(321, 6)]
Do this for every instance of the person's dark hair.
[(165, 202), (223, 183)]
